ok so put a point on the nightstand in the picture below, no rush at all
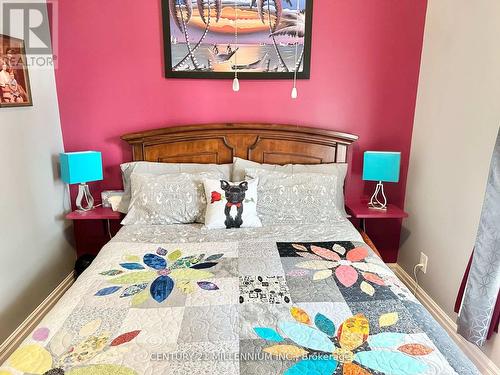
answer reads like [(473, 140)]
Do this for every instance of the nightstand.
[(359, 210), (94, 228)]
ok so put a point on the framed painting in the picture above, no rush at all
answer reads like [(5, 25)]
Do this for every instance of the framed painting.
[(260, 39), (15, 90)]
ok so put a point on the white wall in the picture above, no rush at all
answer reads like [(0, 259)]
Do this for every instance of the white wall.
[(34, 253), (456, 122)]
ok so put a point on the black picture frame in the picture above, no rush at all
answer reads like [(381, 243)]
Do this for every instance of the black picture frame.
[(169, 73)]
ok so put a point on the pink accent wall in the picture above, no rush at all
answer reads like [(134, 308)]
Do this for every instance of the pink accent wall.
[(364, 74)]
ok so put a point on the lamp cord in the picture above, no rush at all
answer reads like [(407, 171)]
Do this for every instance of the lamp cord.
[(415, 290)]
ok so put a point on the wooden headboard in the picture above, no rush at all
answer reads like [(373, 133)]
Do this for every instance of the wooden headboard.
[(218, 143)]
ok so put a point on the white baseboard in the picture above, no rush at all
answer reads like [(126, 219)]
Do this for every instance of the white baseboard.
[(481, 360), (29, 324)]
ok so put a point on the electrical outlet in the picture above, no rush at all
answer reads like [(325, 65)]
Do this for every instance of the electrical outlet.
[(423, 261)]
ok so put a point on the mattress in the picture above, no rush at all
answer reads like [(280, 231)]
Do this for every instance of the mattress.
[(309, 299)]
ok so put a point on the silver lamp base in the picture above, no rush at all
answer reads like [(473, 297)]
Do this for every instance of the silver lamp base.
[(375, 202), (84, 194)]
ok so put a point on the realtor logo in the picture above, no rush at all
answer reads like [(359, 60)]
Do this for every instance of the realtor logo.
[(35, 23)]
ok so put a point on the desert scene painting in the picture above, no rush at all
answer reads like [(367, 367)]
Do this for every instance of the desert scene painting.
[(257, 38)]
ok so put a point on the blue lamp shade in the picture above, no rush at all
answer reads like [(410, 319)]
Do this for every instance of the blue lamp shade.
[(381, 166), (80, 167)]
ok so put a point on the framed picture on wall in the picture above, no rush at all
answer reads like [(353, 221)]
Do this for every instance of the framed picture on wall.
[(15, 90), (260, 39)]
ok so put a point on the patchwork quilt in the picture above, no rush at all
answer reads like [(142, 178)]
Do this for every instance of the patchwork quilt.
[(273, 300)]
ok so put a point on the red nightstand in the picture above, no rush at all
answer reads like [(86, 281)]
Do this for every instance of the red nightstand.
[(359, 210), (84, 222)]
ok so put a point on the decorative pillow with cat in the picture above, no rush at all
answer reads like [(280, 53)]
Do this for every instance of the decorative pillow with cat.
[(231, 204)]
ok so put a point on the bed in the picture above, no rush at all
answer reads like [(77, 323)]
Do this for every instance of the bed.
[(283, 299)]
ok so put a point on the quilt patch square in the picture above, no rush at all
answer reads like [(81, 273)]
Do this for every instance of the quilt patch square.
[(357, 292), (158, 326), (226, 267), (357, 274), (264, 289), (260, 315), (217, 291), (289, 266), (386, 316), (260, 266), (210, 324), (305, 289), (257, 249), (94, 321)]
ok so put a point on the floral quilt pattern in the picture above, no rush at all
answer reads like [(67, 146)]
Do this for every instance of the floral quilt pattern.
[(323, 348), (164, 272), (72, 354), (346, 265), (238, 306)]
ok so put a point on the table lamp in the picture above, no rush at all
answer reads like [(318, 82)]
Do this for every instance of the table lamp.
[(80, 168), (381, 166)]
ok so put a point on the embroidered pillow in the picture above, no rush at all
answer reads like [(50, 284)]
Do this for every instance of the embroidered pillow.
[(301, 198), (231, 204), (167, 199), (336, 169), (147, 167)]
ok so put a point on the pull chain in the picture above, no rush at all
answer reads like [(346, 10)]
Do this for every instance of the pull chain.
[(236, 82), (294, 90)]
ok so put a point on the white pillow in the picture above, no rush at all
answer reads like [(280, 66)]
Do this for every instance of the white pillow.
[(301, 198), (167, 199), (231, 204), (336, 169), (163, 168)]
